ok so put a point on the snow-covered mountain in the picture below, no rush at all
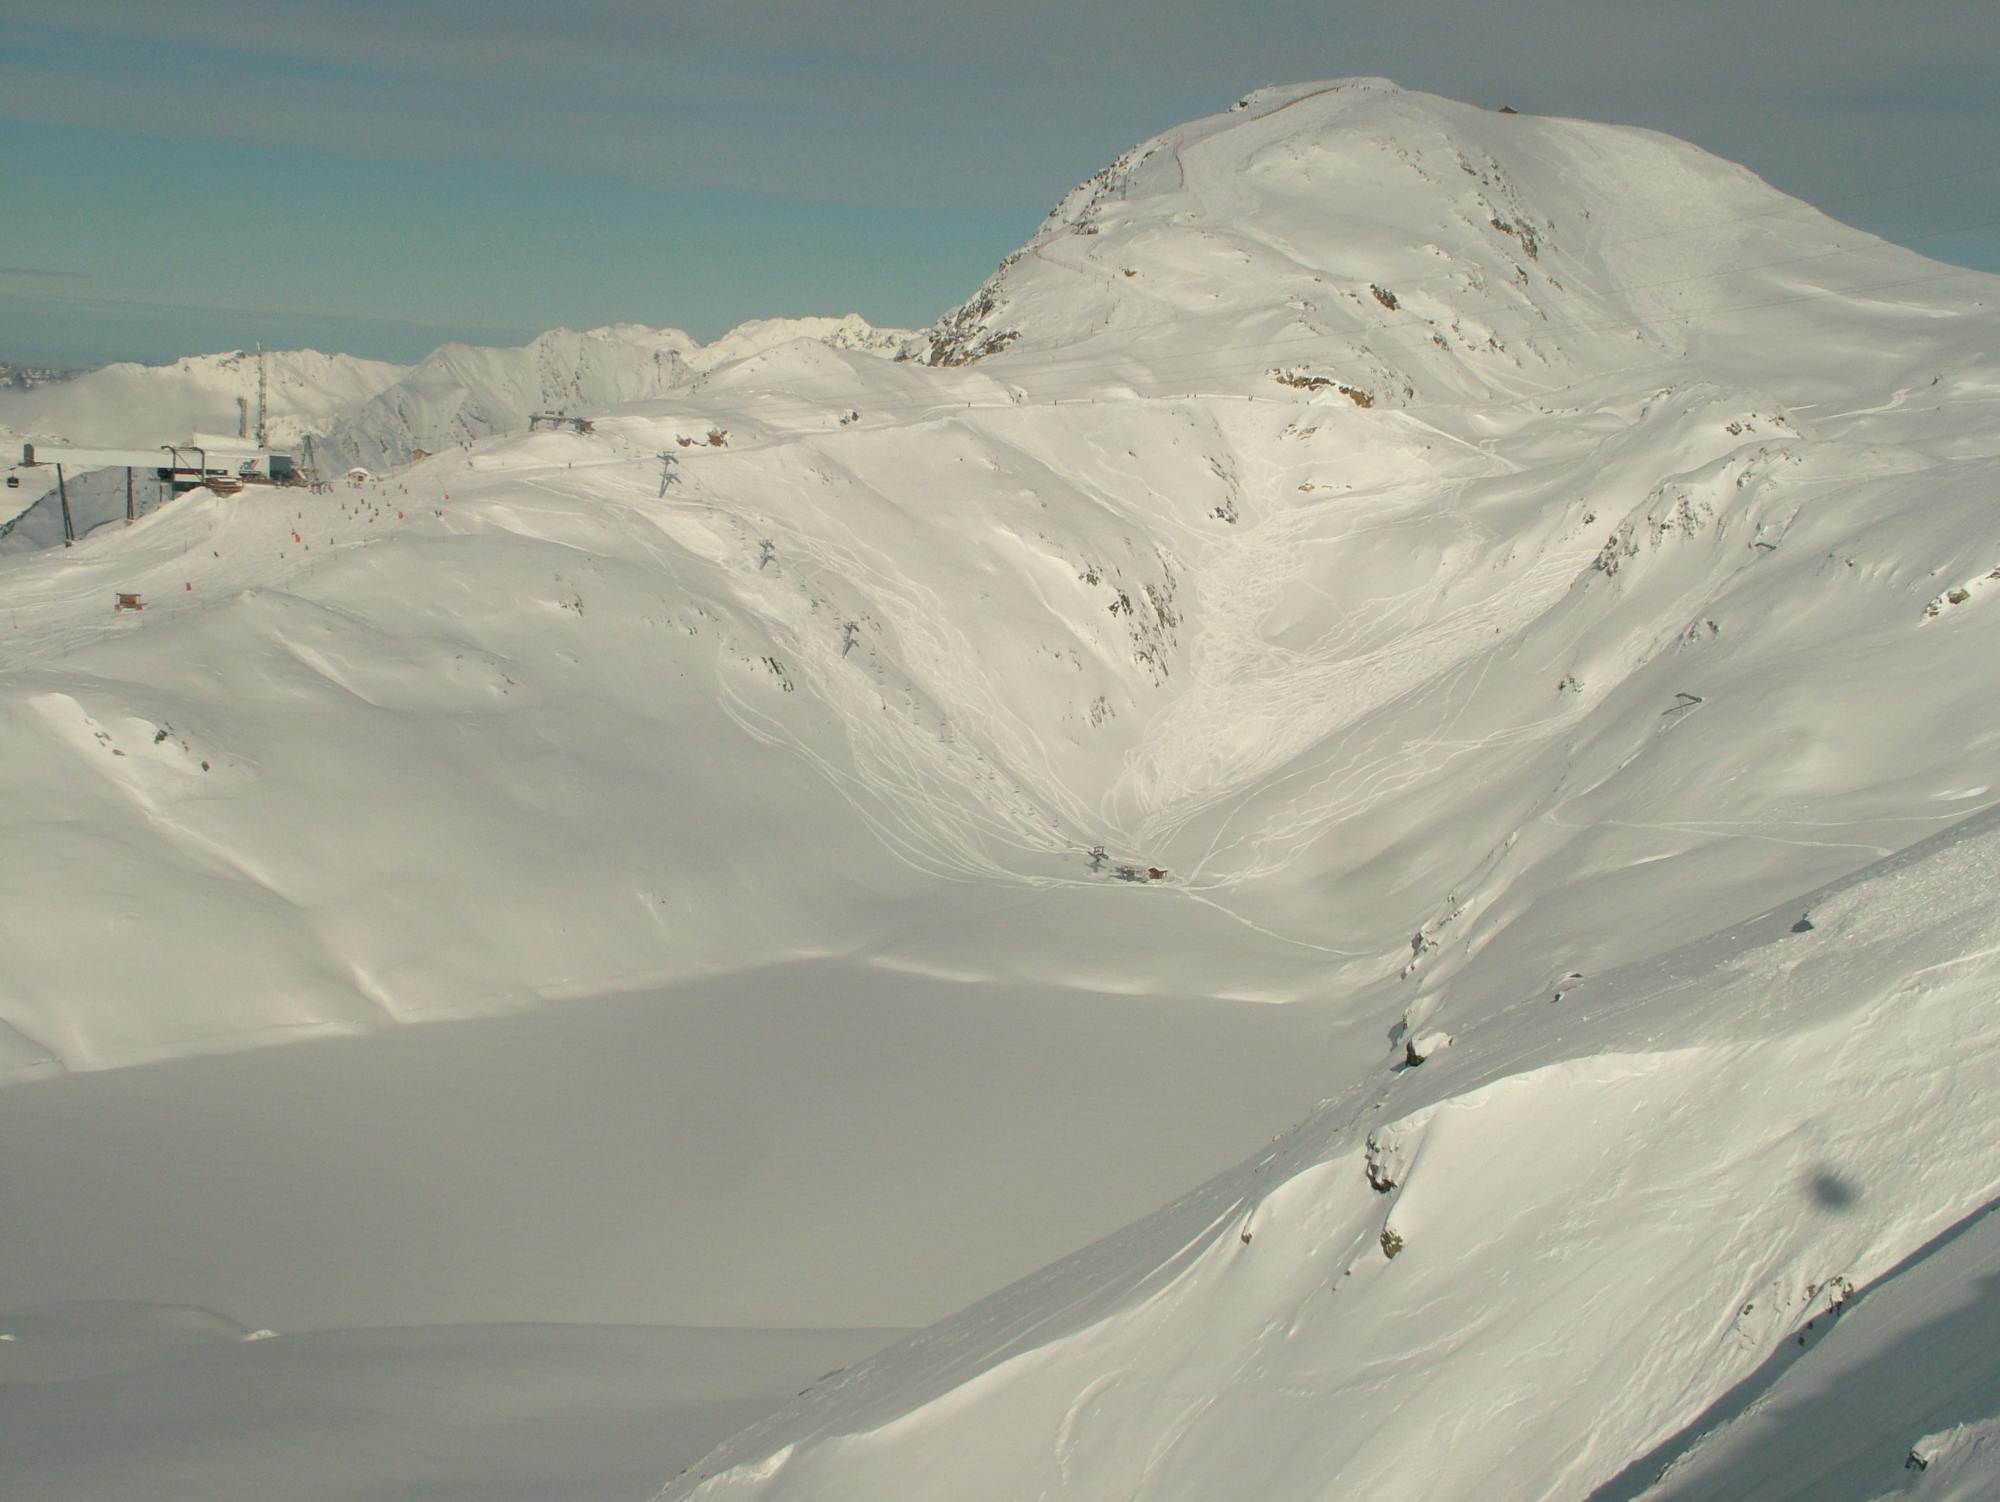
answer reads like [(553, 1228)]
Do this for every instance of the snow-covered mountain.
[(139, 406), (142, 406), (1648, 607), (460, 393), (1491, 579), (27, 377), (364, 411), (377, 413)]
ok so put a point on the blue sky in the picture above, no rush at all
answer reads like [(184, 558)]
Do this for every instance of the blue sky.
[(378, 177)]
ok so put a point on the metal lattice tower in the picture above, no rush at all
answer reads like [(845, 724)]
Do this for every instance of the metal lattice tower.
[(263, 432)]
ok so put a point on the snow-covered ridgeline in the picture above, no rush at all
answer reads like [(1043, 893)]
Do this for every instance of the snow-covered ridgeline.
[(379, 414), (1600, 673), (123, 406), (459, 394), (1574, 667)]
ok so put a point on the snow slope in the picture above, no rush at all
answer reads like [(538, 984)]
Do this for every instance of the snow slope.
[(103, 1402), (143, 406), (96, 497), (366, 411), (1350, 674), (1510, 1270), (1899, 1393), (1631, 618), (1471, 557)]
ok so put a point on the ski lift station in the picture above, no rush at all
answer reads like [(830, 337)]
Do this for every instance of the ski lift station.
[(183, 465), (222, 463), (218, 462)]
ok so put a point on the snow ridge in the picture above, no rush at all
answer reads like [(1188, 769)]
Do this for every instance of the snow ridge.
[(459, 394)]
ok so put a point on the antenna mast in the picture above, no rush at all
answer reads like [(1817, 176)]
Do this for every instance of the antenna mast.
[(263, 433)]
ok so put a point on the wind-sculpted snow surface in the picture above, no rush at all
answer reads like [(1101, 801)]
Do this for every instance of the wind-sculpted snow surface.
[(1365, 550), (1512, 1270)]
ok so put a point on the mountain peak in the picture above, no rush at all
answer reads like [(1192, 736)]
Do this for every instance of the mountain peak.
[(1403, 244)]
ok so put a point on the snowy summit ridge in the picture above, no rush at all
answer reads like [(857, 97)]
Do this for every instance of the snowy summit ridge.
[(1523, 586), (1430, 249)]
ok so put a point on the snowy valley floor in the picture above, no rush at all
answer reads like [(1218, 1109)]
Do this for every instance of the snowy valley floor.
[(144, 1402), (527, 1212)]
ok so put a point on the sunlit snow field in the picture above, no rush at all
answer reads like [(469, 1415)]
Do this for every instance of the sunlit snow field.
[(524, 1214), (1396, 717)]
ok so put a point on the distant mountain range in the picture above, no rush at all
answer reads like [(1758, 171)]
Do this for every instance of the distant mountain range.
[(27, 377), (370, 413), (376, 413)]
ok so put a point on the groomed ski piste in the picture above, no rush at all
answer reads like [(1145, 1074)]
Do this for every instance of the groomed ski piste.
[(1521, 591)]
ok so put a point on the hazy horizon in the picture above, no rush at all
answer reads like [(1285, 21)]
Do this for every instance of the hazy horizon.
[(378, 180)]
